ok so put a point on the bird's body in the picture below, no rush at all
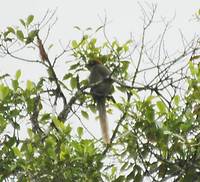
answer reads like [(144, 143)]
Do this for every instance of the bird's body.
[(100, 75), (101, 86)]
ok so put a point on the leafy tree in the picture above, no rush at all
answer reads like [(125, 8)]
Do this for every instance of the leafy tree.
[(156, 135)]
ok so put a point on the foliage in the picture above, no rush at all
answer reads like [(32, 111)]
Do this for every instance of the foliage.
[(157, 130)]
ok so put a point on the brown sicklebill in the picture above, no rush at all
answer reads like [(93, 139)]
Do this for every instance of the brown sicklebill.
[(101, 86)]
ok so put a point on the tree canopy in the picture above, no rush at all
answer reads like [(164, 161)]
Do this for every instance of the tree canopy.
[(156, 108)]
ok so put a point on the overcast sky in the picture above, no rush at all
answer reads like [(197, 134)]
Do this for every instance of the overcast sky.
[(124, 14), (124, 17)]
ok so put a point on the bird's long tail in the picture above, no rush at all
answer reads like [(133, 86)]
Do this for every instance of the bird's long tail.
[(103, 120)]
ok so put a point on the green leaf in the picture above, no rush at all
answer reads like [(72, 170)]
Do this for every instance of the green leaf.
[(73, 83), (74, 66), (115, 43), (30, 133), (15, 84), (194, 57), (14, 112), (124, 166), (64, 152), (59, 125), (11, 141), (10, 29), (80, 131), (192, 68), (161, 106), (185, 127), (85, 114), (4, 91), (45, 117), (125, 65), (84, 82), (50, 142), (113, 170), (68, 129), (29, 20), (5, 34), (162, 170), (3, 124), (67, 76), (74, 44), (22, 22), (32, 34), (120, 179), (20, 35), (16, 151), (93, 41), (88, 28), (150, 114), (129, 42), (131, 175), (121, 88), (29, 85), (125, 47), (135, 93), (85, 37), (16, 126), (18, 74), (92, 108), (176, 100), (99, 28), (166, 132), (30, 148), (150, 98), (138, 177), (119, 49), (76, 27)]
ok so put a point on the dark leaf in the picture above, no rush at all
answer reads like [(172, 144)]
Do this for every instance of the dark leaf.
[(29, 20), (20, 35), (23, 22)]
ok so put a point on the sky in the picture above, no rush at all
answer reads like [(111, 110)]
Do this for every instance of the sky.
[(124, 18)]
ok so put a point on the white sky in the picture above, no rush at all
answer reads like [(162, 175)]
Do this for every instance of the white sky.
[(123, 15)]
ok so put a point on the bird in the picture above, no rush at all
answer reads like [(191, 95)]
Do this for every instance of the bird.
[(101, 86)]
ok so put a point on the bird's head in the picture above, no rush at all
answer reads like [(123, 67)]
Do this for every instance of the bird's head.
[(92, 63)]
